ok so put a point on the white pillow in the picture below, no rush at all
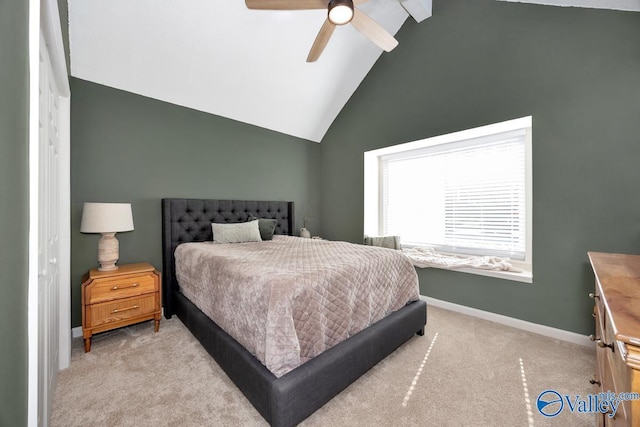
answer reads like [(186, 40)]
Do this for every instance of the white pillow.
[(236, 232)]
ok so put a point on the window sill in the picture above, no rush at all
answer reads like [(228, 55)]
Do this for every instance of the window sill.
[(497, 267), (524, 277)]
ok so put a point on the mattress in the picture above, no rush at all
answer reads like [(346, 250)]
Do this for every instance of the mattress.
[(289, 299)]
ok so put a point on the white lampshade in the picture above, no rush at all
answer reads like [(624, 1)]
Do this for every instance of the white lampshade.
[(106, 218)]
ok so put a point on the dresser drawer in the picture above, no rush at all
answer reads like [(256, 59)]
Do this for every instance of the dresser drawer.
[(600, 308), (120, 287), (621, 377), (614, 379), (116, 311)]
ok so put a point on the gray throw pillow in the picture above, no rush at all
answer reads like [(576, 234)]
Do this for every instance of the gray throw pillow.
[(266, 226)]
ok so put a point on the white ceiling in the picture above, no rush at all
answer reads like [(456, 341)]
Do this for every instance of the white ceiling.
[(219, 57)]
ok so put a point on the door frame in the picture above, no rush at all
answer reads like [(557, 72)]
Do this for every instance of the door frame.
[(44, 17)]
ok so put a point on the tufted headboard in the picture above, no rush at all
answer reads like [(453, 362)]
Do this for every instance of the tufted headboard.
[(189, 220)]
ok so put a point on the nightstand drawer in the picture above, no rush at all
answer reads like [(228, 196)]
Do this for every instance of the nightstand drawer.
[(112, 312), (121, 287)]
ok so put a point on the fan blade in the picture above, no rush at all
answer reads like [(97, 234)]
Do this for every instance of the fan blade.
[(321, 40), (373, 31), (286, 4), (359, 2)]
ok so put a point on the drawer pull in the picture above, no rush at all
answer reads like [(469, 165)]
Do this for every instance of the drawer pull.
[(593, 315), (603, 344), (115, 288), (114, 311), (593, 296), (592, 382)]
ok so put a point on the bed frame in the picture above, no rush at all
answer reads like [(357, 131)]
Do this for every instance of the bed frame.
[(287, 400)]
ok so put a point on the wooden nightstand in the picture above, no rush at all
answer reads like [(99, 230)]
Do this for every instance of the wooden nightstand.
[(113, 299)]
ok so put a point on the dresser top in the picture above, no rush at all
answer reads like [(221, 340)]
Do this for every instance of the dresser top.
[(619, 278)]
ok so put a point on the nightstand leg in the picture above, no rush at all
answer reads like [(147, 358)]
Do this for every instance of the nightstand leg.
[(87, 345), (156, 324)]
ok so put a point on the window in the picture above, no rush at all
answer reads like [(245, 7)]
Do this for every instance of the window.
[(466, 193)]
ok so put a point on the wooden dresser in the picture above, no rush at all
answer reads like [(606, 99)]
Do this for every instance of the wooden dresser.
[(617, 316), (112, 299)]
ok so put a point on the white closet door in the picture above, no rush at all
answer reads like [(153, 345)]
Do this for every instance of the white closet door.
[(48, 236)]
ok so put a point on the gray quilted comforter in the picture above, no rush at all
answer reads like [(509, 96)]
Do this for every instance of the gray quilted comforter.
[(289, 299)]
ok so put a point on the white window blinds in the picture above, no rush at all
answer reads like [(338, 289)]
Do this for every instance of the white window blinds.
[(463, 197)]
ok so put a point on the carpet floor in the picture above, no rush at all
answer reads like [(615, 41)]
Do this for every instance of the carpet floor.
[(464, 372)]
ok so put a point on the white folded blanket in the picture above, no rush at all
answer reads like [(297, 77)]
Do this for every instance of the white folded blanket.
[(427, 257)]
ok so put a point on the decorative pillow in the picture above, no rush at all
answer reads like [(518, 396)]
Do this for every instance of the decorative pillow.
[(236, 232), (266, 226)]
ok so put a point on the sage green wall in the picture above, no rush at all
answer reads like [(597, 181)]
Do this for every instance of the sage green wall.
[(128, 148), (576, 71), (14, 210)]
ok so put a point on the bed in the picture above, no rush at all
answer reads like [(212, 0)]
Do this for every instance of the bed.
[(287, 399)]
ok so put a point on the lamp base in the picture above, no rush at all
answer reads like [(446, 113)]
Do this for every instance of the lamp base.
[(108, 252)]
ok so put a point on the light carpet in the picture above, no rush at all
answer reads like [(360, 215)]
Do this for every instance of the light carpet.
[(464, 372)]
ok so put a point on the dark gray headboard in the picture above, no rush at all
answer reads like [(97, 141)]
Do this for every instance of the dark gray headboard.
[(189, 220)]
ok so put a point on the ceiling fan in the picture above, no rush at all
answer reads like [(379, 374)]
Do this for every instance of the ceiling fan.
[(339, 12)]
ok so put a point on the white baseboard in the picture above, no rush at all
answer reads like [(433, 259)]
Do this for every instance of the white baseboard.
[(548, 331), (76, 332)]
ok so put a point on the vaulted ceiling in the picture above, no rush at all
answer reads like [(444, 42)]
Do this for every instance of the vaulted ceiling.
[(219, 57)]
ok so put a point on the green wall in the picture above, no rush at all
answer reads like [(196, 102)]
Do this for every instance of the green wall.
[(576, 71), (14, 210), (128, 148), (473, 63)]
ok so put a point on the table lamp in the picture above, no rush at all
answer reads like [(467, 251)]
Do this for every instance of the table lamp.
[(107, 219)]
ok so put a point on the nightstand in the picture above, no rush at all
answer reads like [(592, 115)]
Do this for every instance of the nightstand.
[(122, 297)]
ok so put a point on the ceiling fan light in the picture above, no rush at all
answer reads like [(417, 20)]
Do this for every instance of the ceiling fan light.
[(340, 11)]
